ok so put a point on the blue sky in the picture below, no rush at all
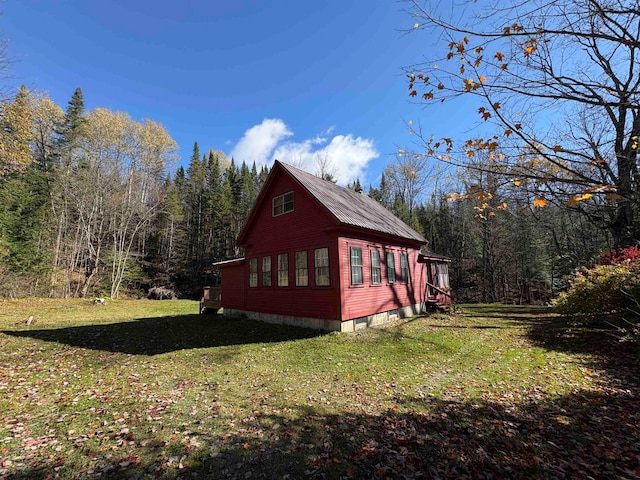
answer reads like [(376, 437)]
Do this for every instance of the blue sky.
[(259, 80)]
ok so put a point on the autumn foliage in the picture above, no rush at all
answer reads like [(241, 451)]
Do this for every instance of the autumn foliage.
[(608, 288), (623, 256)]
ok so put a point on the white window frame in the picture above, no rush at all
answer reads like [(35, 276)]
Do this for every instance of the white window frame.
[(253, 272), (282, 204), (283, 270), (391, 267), (442, 275), (404, 267), (302, 268), (376, 270), (355, 262), (321, 267), (266, 271)]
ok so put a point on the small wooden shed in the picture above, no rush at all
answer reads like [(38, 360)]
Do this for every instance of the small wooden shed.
[(322, 256)]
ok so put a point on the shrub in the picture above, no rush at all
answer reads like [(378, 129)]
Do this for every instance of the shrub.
[(602, 289), (623, 256)]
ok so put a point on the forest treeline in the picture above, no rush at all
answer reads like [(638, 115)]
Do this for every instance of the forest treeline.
[(91, 203)]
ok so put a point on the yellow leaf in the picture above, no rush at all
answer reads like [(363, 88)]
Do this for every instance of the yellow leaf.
[(482, 78), (539, 202), (517, 183), (416, 25), (410, 122), (584, 196)]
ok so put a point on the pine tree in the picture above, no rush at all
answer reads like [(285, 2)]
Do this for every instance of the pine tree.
[(196, 181), (70, 129)]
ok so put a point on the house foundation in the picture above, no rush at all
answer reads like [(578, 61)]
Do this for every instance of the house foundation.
[(379, 319)]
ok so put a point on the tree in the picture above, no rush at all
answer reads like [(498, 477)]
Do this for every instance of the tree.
[(559, 80), (16, 134), (67, 131), (46, 116), (138, 194), (355, 186), (197, 178), (408, 177), (382, 194), (325, 169)]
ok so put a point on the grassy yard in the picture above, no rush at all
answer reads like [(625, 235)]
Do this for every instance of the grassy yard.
[(141, 389)]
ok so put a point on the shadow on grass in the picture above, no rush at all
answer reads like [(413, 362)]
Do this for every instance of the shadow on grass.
[(600, 341), (505, 312), (585, 435), (153, 336)]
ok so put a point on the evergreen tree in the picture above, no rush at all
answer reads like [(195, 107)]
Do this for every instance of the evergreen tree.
[(355, 185), (196, 181), (70, 129)]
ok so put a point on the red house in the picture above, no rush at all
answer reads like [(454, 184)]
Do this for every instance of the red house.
[(321, 256)]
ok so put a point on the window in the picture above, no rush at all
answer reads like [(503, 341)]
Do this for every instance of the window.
[(442, 270), (302, 269), (253, 272), (283, 204), (283, 270), (322, 267), (391, 268), (356, 265), (404, 267), (376, 277), (266, 271)]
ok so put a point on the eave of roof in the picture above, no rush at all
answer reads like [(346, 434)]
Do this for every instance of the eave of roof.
[(228, 262), (435, 256)]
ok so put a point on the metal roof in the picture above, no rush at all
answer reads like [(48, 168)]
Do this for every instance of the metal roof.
[(352, 208)]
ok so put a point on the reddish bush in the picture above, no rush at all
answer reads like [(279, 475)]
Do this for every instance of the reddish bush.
[(623, 256)]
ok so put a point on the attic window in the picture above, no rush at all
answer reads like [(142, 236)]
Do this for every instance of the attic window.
[(283, 204)]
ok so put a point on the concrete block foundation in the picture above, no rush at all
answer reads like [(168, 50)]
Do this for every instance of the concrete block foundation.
[(379, 319)]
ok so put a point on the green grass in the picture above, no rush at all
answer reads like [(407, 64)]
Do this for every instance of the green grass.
[(143, 389)]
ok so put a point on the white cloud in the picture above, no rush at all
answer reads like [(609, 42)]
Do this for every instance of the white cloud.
[(259, 141), (348, 155)]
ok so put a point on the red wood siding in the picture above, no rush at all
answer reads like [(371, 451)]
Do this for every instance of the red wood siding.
[(232, 287), (368, 298), (307, 227)]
